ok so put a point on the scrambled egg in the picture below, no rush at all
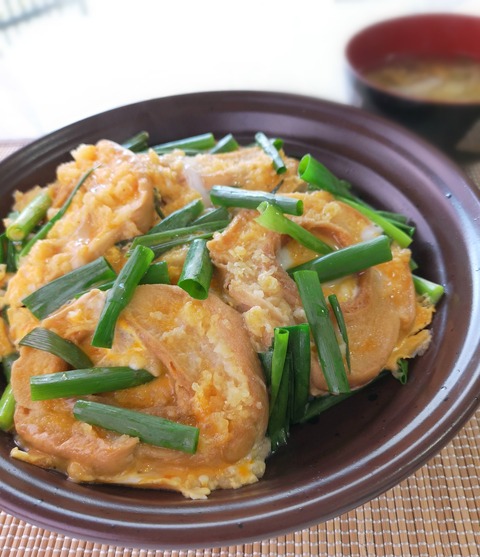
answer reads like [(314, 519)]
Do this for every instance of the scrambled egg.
[(203, 354)]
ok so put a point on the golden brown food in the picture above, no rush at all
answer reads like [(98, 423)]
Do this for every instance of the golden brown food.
[(203, 354), (220, 390)]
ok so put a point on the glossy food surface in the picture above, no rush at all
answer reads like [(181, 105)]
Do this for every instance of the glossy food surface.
[(353, 452)]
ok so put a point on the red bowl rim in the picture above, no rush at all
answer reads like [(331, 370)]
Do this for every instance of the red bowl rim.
[(358, 72)]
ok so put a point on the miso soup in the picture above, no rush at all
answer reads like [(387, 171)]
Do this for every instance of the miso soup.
[(430, 78)]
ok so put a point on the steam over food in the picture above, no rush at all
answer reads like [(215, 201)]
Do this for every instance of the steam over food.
[(203, 331)]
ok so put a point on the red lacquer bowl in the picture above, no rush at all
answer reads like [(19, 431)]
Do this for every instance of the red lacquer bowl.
[(445, 123)]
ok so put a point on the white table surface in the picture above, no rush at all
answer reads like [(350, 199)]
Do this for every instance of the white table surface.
[(74, 63)]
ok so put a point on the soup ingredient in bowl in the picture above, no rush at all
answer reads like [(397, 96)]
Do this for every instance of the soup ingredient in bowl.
[(448, 79), (199, 349)]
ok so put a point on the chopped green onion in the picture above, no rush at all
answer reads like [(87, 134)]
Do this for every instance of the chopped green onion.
[(426, 287), (161, 241), (55, 294), (157, 273), (349, 260), (3, 248), (158, 249), (279, 423), (299, 349), (30, 216), (390, 229), (319, 177), (157, 202), (270, 149), (7, 363), (42, 233), (138, 142), (7, 408), (227, 196), (49, 341), (319, 404), (225, 145), (153, 430), (78, 382), (323, 333), (280, 345), (192, 144), (12, 256), (399, 220), (266, 361), (219, 214), (397, 217), (120, 295), (197, 270), (271, 217), (402, 372), (180, 218), (337, 312)]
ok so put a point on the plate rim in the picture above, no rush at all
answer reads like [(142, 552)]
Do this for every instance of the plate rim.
[(238, 534)]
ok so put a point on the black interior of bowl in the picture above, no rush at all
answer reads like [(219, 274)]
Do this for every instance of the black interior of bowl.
[(357, 449)]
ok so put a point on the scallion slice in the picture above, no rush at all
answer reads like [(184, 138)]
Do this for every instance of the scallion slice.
[(280, 345), (401, 373), (197, 270), (48, 341), (272, 217), (402, 238), (56, 293), (153, 430), (152, 240), (319, 404), (79, 382), (349, 260), (42, 233), (214, 215), (299, 350), (323, 333), (228, 196), (138, 142), (196, 143), (157, 273), (318, 176), (279, 420), (426, 287), (342, 327), (225, 145), (270, 149), (7, 408), (120, 295), (180, 218), (31, 215)]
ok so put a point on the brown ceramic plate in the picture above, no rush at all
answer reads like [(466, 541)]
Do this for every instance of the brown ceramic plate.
[(353, 452)]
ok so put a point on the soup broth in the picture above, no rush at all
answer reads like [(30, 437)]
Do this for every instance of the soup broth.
[(432, 78)]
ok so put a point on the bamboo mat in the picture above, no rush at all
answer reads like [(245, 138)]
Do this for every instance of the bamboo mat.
[(433, 513)]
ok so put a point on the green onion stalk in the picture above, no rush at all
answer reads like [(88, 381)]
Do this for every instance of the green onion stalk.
[(271, 150), (45, 229), (227, 196), (30, 216), (272, 217), (58, 292), (197, 270), (120, 295), (153, 430), (323, 333), (79, 382)]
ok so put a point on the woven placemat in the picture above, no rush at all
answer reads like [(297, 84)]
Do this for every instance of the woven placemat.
[(433, 513)]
